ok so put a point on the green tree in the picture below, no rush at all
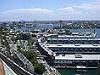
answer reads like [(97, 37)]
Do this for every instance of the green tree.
[(39, 68)]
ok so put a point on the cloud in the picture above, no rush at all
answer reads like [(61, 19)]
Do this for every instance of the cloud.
[(88, 11), (84, 11), (34, 10), (90, 6), (26, 14)]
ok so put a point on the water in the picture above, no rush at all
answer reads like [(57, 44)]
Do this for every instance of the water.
[(68, 71), (77, 72), (74, 71), (38, 26), (87, 30), (84, 72), (45, 26)]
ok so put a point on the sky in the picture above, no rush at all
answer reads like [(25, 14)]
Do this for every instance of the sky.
[(29, 10)]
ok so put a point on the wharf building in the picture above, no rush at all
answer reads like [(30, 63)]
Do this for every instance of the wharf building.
[(75, 50)]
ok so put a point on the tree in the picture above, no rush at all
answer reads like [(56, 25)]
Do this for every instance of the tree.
[(39, 68)]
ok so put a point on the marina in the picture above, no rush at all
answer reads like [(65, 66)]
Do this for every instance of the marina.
[(72, 52)]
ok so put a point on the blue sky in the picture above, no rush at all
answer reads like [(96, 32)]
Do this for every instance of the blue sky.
[(50, 4), (49, 10)]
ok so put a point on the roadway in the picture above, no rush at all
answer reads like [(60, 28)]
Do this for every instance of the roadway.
[(16, 68)]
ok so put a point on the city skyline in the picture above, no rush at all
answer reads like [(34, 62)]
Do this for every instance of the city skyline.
[(49, 10)]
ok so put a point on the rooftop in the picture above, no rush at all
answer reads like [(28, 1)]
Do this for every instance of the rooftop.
[(73, 38), (73, 57), (74, 45), (74, 35)]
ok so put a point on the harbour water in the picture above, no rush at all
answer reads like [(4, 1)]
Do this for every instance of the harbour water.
[(72, 71), (85, 71), (87, 30), (78, 71)]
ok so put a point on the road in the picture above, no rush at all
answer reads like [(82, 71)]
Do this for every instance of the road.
[(16, 68)]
